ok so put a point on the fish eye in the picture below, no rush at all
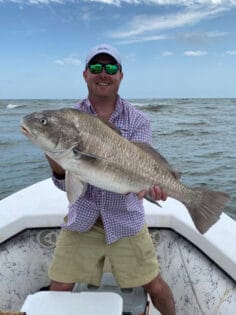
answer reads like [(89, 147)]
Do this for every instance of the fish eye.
[(43, 121)]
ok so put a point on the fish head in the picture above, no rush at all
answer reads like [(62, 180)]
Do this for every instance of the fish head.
[(54, 131)]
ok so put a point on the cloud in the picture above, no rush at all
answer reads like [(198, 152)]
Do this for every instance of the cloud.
[(199, 38), (146, 23), (167, 53), (71, 60), (110, 2), (144, 39), (185, 3), (179, 3), (145, 27), (231, 52), (39, 1), (196, 53), (35, 1), (45, 1)]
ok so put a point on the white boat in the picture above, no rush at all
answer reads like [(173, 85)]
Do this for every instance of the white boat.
[(200, 269)]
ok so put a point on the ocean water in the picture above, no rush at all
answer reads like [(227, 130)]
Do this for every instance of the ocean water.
[(197, 136)]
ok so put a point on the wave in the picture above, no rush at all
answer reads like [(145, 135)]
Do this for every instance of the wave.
[(12, 106), (10, 142), (183, 132), (193, 124), (140, 104), (154, 108)]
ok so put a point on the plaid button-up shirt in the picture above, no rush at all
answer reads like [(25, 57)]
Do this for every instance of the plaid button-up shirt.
[(122, 215)]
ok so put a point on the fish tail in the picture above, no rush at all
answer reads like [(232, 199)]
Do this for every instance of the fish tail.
[(207, 207)]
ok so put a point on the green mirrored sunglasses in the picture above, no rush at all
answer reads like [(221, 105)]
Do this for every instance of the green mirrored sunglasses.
[(110, 68)]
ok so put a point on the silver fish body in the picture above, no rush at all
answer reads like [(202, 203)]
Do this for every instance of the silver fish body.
[(91, 151)]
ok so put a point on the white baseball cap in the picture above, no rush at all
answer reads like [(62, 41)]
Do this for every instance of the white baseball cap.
[(103, 49)]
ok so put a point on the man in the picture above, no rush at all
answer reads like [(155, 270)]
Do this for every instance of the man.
[(105, 224)]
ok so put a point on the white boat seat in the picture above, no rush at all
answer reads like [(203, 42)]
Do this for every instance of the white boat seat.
[(73, 303)]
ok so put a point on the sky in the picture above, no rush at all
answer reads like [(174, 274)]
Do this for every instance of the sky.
[(169, 49)]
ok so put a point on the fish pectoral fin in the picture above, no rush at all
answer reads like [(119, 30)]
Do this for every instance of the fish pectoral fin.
[(157, 156), (149, 198), (75, 188), (82, 154)]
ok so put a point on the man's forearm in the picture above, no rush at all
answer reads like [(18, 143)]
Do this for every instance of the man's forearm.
[(58, 171)]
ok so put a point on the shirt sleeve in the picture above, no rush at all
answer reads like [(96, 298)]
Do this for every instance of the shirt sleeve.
[(59, 183), (142, 130)]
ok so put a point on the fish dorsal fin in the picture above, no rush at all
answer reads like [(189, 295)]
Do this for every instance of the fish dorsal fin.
[(157, 156), (109, 124)]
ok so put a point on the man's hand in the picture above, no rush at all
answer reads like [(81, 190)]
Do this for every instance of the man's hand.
[(155, 193)]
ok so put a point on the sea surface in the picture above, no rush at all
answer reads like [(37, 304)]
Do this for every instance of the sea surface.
[(197, 136)]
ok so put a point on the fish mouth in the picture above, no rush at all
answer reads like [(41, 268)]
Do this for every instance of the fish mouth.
[(26, 131)]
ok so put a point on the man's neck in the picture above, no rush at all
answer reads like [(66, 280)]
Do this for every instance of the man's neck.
[(104, 107)]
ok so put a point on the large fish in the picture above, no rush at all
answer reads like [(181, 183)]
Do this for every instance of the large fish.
[(91, 151)]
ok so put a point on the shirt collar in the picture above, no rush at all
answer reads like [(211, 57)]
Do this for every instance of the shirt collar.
[(89, 106), (118, 109)]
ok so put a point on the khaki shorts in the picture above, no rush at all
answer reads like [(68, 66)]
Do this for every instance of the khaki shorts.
[(79, 257)]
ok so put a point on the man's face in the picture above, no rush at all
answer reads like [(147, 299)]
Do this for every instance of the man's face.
[(103, 84)]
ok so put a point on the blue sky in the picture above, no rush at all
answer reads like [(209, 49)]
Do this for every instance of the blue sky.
[(169, 48)]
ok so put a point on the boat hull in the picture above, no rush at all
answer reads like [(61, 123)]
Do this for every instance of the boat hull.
[(199, 286)]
